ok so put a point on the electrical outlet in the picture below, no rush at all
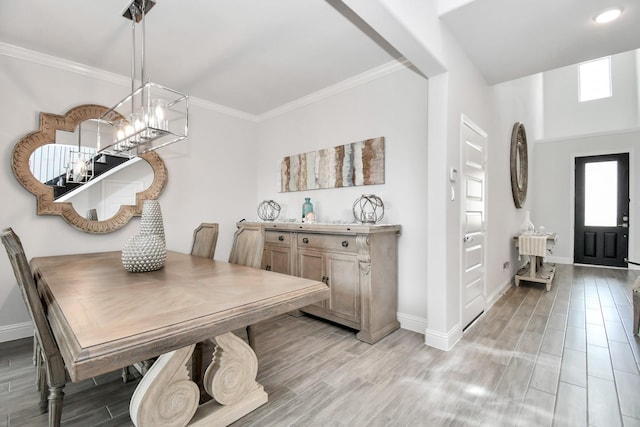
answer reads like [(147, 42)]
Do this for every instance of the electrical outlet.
[(506, 265)]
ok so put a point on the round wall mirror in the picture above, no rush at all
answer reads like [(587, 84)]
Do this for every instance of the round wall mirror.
[(95, 193), (519, 164)]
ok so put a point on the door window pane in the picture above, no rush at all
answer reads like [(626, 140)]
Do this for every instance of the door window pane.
[(601, 194)]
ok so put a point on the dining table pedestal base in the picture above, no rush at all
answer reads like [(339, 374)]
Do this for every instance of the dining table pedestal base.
[(166, 395)]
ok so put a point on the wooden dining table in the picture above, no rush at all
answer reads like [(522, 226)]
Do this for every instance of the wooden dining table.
[(105, 318)]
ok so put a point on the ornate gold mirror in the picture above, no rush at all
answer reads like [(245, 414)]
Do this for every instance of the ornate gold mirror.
[(53, 190), (519, 164)]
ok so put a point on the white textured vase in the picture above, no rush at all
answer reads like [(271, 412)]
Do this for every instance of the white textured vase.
[(146, 251), (151, 221), (527, 226)]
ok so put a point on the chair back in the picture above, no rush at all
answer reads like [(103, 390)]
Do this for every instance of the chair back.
[(52, 357), (248, 244), (205, 238)]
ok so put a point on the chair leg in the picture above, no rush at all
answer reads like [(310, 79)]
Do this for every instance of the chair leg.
[(251, 337), (35, 348), (125, 374), (636, 308), (40, 379), (55, 405), (44, 390), (37, 361)]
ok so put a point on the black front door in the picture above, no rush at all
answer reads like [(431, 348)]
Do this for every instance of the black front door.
[(602, 210)]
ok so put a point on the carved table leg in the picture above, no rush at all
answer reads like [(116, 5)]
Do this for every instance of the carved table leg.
[(231, 380), (166, 396)]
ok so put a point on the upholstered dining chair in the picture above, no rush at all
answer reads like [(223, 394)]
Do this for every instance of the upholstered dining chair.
[(51, 365), (248, 245), (205, 238)]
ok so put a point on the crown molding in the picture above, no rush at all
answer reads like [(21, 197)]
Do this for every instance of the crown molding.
[(218, 108), (350, 83), (40, 58), (106, 76)]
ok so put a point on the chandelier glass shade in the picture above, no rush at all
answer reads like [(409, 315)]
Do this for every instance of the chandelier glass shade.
[(151, 116)]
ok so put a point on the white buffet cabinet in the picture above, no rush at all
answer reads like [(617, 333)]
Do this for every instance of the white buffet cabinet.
[(359, 263)]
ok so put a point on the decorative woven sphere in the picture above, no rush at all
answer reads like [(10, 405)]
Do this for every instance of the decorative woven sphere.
[(144, 253), (368, 209), (268, 210)]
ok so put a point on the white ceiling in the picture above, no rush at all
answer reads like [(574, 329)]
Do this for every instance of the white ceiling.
[(509, 39), (256, 55)]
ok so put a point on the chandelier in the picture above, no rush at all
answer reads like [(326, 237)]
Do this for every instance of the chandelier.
[(151, 116), (80, 165)]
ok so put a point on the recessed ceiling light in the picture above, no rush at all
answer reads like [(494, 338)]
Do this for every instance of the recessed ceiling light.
[(608, 15)]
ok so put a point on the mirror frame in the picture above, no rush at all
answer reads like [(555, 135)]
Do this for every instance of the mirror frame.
[(519, 164), (46, 205)]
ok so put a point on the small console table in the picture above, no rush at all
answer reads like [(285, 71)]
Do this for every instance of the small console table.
[(536, 270)]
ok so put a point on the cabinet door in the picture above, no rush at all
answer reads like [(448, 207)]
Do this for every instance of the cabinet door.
[(276, 258), (343, 280), (311, 265)]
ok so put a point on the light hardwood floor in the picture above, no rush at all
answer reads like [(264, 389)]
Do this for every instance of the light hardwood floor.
[(562, 358)]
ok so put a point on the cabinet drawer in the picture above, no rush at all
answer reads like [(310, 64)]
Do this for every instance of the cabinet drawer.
[(331, 243), (277, 237)]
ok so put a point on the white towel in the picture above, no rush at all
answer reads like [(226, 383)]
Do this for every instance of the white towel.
[(530, 244)]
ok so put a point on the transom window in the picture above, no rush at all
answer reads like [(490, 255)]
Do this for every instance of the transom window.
[(595, 79)]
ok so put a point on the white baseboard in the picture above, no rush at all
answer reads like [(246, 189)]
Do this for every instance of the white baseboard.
[(444, 341), (431, 338), (558, 260), (16, 331), (492, 299), (412, 323)]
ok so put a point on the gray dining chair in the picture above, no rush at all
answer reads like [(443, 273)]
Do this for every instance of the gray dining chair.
[(247, 250), (205, 238), (248, 245), (52, 374)]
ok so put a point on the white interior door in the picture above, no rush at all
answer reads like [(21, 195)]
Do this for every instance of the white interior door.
[(473, 298)]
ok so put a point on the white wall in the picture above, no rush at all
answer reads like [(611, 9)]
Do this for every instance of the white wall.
[(455, 88), (470, 95), (554, 174), (564, 116), (393, 106), (519, 100), (205, 183), (573, 129)]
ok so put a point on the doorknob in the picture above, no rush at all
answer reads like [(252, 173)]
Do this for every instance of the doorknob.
[(468, 238)]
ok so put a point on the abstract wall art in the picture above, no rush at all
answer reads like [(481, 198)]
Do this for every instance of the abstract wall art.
[(357, 163)]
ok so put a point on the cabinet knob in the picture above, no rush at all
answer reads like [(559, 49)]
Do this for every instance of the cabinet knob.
[(345, 243), (305, 240), (281, 238)]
